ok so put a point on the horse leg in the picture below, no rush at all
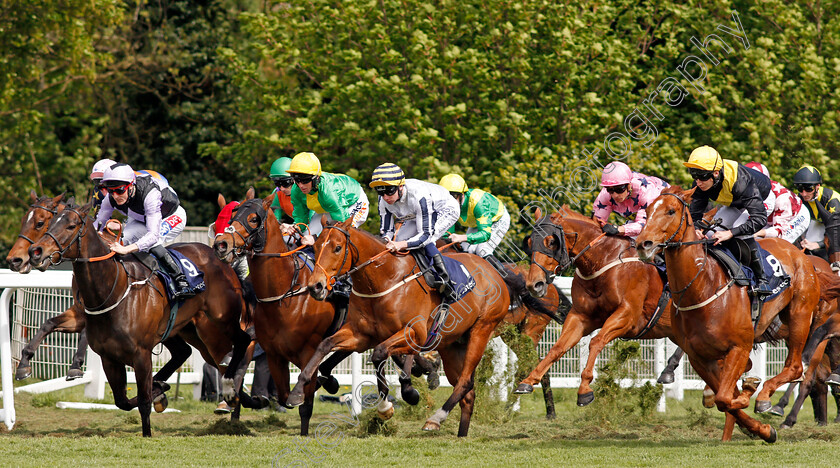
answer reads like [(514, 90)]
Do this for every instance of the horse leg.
[(479, 336), (797, 336), (75, 370), (115, 373), (467, 404), (667, 375), (306, 408), (819, 401), (616, 325), (548, 396), (790, 420), (385, 409), (326, 380), (69, 321), (835, 392), (779, 408), (344, 339), (278, 366), (573, 330), (409, 394), (143, 372)]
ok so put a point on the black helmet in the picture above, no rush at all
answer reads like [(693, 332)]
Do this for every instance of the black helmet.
[(807, 175)]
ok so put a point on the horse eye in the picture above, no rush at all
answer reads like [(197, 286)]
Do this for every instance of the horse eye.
[(39, 225), (671, 211), (255, 220), (337, 249)]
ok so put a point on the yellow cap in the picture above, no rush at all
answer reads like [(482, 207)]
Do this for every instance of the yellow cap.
[(305, 163), (453, 183), (706, 158)]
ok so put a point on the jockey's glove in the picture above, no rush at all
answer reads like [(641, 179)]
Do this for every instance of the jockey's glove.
[(610, 230)]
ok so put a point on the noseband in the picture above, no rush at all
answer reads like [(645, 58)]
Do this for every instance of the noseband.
[(545, 228)]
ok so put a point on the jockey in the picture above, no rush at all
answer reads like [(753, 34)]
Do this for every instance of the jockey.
[(317, 194), (824, 206), (154, 217), (789, 218), (99, 192), (738, 188), (486, 218), (282, 203), (625, 192), (426, 212)]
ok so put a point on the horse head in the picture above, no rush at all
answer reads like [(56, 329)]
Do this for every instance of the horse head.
[(33, 226), (549, 253), (64, 236), (332, 257), (240, 226), (668, 220)]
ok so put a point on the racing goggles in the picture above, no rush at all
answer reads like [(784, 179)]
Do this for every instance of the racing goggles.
[(804, 187), (282, 181), (617, 188), (700, 174), (386, 190), (119, 190)]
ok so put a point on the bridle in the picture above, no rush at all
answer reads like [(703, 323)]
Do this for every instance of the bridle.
[(543, 230), (49, 210), (354, 257)]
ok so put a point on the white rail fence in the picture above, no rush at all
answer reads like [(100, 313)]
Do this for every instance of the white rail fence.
[(28, 300)]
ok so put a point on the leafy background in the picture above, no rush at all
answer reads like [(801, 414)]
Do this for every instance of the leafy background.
[(512, 95)]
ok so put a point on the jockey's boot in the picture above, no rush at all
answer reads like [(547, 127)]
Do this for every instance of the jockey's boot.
[(447, 290), (170, 266), (497, 265), (762, 287), (340, 295)]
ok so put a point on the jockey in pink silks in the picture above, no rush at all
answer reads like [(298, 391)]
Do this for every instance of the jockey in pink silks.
[(625, 192)]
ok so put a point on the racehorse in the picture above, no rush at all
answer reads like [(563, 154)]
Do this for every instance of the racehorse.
[(390, 309), (214, 347), (530, 315), (132, 314), (602, 296), (711, 319), (814, 386), (289, 324)]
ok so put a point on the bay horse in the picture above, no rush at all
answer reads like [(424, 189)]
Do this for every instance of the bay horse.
[(711, 318), (33, 226), (602, 296), (391, 309), (132, 313), (288, 322)]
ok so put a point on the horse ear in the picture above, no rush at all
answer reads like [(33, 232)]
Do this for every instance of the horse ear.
[(267, 201), (537, 214), (347, 224), (221, 201), (71, 201), (250, 194), (688, 194), (58, 199), (33, 196)]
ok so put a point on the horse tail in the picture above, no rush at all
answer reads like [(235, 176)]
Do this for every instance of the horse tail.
[(829, 285), (823, 332), (518, 292)]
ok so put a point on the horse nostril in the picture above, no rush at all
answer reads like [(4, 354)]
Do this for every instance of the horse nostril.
[(647, 244)]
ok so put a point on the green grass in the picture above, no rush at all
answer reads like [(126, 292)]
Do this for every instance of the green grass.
[(687, 435)]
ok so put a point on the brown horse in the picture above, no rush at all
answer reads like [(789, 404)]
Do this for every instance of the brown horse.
[(814, 386), (289, 323), (712, 321), (601, 295), (132, 314), (390, 309), (33, 226)]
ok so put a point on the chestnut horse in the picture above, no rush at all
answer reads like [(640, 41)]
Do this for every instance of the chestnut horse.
[(132, 313), (288, 322), (602, 296), (712, 320), (33, 226), (391, 308)]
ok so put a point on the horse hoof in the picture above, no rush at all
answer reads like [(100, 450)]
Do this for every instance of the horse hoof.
[(74, 374), (160, 403), (666, 378), (772, 437), (550, 416), (412, 397), (785, 426), (431, 426), (762, 406), (228, 393), (329, 383), (222, 408), (584, 399), (708, 399), (433, 379), (23, 372), (523, 389), (387, 414), (777, 410), (833, 380), (295, 399), (751, 384)]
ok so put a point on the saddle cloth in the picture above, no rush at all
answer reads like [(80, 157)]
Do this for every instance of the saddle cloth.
[(194, 276), (776, 277)]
